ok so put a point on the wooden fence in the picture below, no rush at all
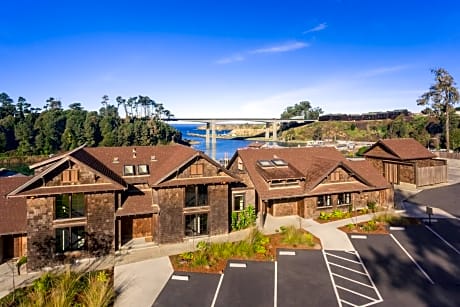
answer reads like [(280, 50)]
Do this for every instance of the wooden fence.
[(431, 175), (448, 155)]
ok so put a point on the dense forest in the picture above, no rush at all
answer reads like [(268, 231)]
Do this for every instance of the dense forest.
[(25, 130)]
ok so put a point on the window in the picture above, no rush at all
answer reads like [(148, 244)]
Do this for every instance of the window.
[(240, 165), (196, 195), (70, 175), (265, 163), (196, 224), (70, 206), (344, 199), (238, 202), (128, 170), (143, 169), (196, 169), (335, 176), (70, 238), (279, 162), (324, 201)]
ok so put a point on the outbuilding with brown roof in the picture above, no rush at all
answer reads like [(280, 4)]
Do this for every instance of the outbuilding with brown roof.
[(406, 161)]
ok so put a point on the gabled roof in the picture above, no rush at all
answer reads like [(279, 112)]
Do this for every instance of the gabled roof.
[(13, 212), (314, 164), (163, 161), (399, 149)]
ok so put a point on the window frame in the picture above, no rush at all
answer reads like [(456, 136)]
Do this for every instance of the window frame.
[(324, 201), (67, 204), (70, 176), (243, 196), (197, 169), (197, 196), (344, 198), (125, 167), (197, 223), (64, 238), (143, 172)]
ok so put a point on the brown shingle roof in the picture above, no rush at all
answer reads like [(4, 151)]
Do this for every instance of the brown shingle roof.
[(400, 149), (314, 163), (13, 212)]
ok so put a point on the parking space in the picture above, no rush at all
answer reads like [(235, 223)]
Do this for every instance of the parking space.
[(396, 276), (247, 283), (353, 285), (303, 279), (449, 230), (188, 289)]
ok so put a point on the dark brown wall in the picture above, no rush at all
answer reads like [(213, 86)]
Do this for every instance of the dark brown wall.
[(100, 212), (219, 205), (39, 229), (171, 222)]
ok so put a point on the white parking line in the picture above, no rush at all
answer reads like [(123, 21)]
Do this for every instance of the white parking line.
[(180, 277), (336, 277), (442, 239), (412, 259), (397, 228), (332, 279), (217, 290), (237, 265), (275, 298), (343, 258)]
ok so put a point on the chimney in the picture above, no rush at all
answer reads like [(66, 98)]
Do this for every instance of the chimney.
[(115, 160), (134, 153)]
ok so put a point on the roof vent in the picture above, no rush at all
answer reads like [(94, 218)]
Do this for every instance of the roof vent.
[(153, 158), (115, 160), (134, 153)]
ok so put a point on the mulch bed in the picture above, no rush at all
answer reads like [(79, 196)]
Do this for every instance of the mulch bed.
[(381, 227), (332, 219), (220, 265)]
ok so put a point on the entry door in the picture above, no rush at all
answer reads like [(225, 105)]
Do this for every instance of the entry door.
[(391, 173)]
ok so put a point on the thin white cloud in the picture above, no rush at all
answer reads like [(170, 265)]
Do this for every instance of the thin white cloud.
[(291, 46), (383, 70), (231, 59), (318, 28)]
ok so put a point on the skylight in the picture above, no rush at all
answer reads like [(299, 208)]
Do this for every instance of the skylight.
[(279, 162), (265, 163)]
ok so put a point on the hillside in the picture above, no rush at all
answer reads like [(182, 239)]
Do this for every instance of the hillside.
[(335, 130)]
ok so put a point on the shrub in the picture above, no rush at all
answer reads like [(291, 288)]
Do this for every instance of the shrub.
[(294, 236), (324, 216), (372, 205), (370, 226), (244, 219)]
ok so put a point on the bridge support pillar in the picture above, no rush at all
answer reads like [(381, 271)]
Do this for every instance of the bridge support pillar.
[(267, 131), (213, 140), (207, 134), (275, 131)]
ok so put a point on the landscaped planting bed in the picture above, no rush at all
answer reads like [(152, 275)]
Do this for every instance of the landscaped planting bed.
[(213, 257), (380, 224)]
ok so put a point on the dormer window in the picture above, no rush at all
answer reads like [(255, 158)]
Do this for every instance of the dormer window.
[(70, 176), (142, 169), (128, 170)]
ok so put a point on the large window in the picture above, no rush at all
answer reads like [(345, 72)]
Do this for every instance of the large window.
[(238, 202), (70, 238), (344, 199), (324, 201), (70, 206), (143, 169), (196, 224), (196, 195)]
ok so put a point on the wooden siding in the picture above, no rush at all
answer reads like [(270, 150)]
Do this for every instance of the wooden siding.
[(431, 175)]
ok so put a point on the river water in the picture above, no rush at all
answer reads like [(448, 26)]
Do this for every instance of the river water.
[(224, 149)]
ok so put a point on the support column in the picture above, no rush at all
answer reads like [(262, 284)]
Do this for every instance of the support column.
[(267, 131), (275, 131), (213, 140), (207, 134)]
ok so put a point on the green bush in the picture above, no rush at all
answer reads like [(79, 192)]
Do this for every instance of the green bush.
[(244, 219), (370, 226), (324, 216)]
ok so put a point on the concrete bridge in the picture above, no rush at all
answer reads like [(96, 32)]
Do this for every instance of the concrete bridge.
[(271, 124)]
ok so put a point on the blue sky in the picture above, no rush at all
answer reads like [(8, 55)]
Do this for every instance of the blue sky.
[(229, 58)]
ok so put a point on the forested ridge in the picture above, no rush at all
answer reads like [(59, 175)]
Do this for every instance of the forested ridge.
[(25, 130)]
